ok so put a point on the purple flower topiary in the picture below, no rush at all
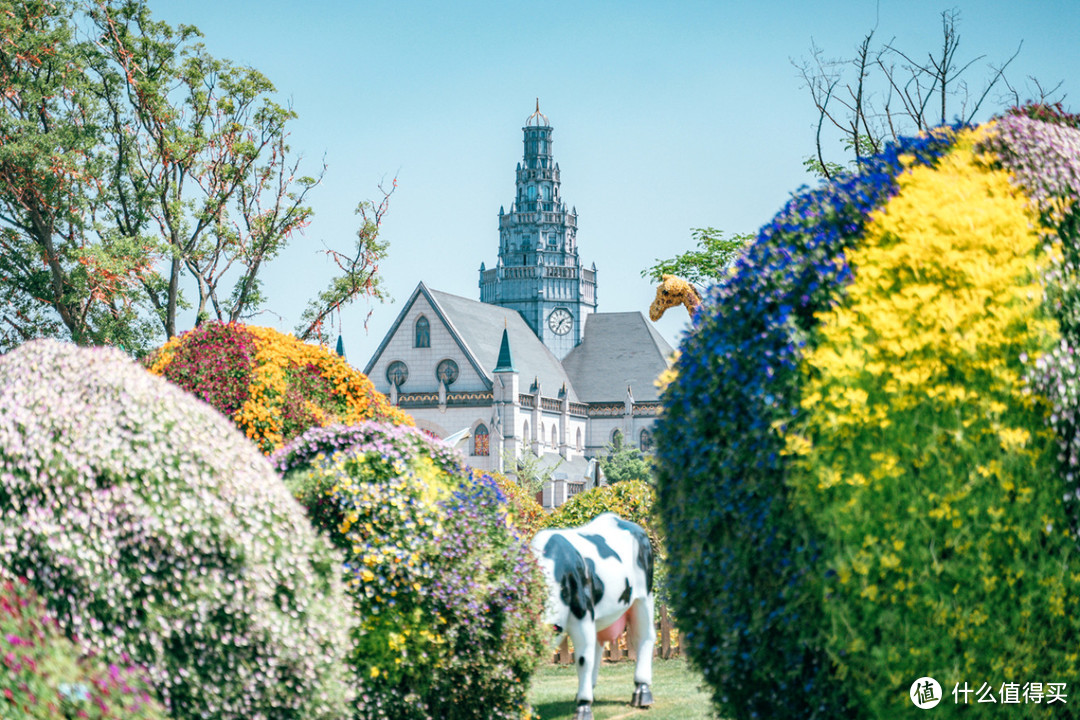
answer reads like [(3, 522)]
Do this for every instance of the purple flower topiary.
[(152, 527)]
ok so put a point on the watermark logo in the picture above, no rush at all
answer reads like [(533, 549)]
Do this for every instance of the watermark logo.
[(925, 693)]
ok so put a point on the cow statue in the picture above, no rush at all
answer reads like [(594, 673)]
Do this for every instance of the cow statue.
[(600, 581)]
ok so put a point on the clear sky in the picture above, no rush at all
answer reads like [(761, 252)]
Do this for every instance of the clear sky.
[(666, 116)]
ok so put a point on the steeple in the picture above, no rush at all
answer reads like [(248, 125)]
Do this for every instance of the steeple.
[(538, 272), (537, 118)]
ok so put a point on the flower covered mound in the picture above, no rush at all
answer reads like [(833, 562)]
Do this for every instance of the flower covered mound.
[(527, 515), (864, 453), (272, 385), (446, 592), (44, 675), (152, 528)]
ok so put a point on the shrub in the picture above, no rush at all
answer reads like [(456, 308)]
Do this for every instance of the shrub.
[(446, 591), (272, 385), (152, 528), (857, 480), (43, 675), (527, 514), (631, 500)]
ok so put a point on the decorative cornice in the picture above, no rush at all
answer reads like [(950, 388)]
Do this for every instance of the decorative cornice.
[(453, 399)]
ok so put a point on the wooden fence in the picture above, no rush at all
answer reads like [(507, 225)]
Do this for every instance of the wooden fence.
[(668, 644)]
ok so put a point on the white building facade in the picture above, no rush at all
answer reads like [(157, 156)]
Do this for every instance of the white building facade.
[(533, 364)]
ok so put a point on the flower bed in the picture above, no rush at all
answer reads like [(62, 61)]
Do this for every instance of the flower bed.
[(864, 454), (446, 592), (272, 385), (153, 529)]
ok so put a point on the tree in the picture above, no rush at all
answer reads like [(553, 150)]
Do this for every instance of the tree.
[(884, 92), (135, 165), (706, 264), (625, 462), (359, 271), (530, 469)]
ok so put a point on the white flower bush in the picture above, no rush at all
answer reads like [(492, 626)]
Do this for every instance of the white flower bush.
[(152, 527)]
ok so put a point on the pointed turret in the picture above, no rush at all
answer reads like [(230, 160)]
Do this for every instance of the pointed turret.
[(505, 362)]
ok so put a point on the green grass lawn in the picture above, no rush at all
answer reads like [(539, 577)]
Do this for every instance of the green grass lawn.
[(676, 688)]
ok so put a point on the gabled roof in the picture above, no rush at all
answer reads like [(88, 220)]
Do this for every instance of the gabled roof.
[(477, 328), (618, 349), (421, 290), (480, 326)]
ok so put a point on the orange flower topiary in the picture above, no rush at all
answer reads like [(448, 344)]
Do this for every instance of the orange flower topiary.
[(273, 386)]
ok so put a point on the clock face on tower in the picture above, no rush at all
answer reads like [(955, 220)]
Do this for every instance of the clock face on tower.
[(560, 321)]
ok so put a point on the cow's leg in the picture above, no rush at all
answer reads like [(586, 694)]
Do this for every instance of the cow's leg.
[(642, 637), (597, 660), (583, 635)]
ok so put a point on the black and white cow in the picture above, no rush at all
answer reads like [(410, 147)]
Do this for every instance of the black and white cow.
[(600, 581)]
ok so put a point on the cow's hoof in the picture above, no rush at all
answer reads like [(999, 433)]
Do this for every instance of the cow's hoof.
[(584, 712), (642, 696)]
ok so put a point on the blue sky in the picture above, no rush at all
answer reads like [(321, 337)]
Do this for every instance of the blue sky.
[(666, 116)]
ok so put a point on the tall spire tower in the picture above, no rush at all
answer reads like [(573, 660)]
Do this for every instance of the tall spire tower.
[(538, 272)]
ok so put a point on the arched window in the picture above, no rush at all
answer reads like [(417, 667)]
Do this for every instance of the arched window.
[(423, 332), (578, 443), (646, 441), (525, 437), (481, 438), (554, 436), (542, 440), (617, 439)]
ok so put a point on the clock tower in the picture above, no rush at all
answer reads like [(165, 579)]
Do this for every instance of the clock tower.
[(538, 272)]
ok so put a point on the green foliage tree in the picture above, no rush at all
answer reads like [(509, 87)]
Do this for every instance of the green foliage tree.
[(357, 274), (704, 265), (625, 462), (135, 165), (531, 470)]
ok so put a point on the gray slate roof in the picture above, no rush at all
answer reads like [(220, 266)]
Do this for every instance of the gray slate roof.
[(479, 326), (618, 349)]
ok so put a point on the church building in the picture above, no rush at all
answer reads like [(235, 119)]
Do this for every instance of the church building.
[(532, 364)]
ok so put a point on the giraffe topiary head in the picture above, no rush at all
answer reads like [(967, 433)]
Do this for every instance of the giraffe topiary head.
[(673, 291)]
